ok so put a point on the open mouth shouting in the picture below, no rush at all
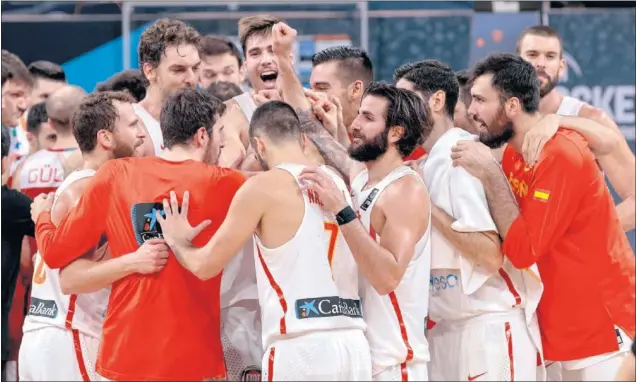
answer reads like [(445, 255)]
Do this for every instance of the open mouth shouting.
[(269, 79)]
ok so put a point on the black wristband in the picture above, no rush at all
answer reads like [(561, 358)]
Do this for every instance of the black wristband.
[(347, 215)]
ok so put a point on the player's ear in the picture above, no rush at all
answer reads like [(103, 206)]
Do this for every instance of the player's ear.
[(105, 139), (356, 89), (396, 133), (202, 137), (562, 66), (149, 71), (437, 102)]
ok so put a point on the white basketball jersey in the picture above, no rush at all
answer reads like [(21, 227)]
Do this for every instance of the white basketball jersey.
[(310, 283), (570, 106), (43, 171), (247, 104), (152, 126), (50, 307), (397, 321)]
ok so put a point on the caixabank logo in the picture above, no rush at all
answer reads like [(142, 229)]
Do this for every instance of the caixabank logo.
[(617, 100)]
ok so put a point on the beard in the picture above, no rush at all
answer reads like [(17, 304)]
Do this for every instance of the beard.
[(123, 149), (370, 150), (544, 90), (503, 124)]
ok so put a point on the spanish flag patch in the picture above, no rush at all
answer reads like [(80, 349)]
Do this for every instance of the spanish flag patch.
[(542, 195)]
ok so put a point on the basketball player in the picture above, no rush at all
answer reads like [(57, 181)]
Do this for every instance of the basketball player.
[(542, 47), (343, 72), (131, 80), (42, 172), (145, 336), (62, 329), (169, 59), (221, 61), (460, 116), (48, 77), (312, 317), (17, 83), (481, 311), (390, 242), (561, 217)]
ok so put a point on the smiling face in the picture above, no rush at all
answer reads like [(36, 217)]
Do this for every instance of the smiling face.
[(261, 64)]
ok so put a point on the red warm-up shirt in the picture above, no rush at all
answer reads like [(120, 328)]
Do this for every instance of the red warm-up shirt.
[(569, 227), (416, 154), (163, 326)]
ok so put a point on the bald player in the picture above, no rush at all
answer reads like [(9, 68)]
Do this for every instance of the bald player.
[(542, 46), (343, 72), (43, 171)]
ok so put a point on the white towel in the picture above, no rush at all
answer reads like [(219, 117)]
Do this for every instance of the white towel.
[(462, 196)]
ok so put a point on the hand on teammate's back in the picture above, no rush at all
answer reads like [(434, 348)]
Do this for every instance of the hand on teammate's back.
[(283, 38), (474, 157), (175, 227), (41, 203), (537, 136), (151, 257), (332, 198)]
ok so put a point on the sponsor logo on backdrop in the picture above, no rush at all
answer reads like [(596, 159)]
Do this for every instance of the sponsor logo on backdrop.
[(616, 100)]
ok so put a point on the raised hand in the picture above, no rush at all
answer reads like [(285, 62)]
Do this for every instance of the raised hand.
[(283, 39)]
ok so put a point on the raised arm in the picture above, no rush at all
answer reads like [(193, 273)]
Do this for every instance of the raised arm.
[(82, 227), (238, 226)]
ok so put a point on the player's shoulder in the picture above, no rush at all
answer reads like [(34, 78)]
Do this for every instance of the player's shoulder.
[(222, 177), (568, 145), (407, 189)]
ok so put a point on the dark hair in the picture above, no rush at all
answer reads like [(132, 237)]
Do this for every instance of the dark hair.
[(96, 112), (47, 70), (213, 45), (402, 70), (540, 30), (161, 35), (35, 117), (464, 86), (132, 80), (14, 69), (6, 141), (258, 25), (430, 79), (276, 120), (512, 76), (404, 109), (186, 111), (224, 90), (354, 63)]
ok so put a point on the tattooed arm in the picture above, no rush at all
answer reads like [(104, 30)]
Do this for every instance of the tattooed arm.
[(334, 153)]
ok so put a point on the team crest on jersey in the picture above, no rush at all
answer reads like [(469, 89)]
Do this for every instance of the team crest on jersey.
[(251, 374), (144, 221)]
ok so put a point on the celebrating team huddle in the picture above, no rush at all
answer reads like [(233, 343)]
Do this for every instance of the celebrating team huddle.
[(445, 227)]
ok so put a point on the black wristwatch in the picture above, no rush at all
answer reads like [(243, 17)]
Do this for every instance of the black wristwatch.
[(346, 215)]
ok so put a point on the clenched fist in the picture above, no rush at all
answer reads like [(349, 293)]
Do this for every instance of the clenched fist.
[(284, 37), (151, 257)]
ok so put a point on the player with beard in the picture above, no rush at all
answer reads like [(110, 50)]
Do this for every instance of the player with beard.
[(460, 116), (559, 215), (145, 336), (221, 61), (169, 59), (543, 48), (391, 240), (343, 73), (482, 309), (62, 329), (304, 338)]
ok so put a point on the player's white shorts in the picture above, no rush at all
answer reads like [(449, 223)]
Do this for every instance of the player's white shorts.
[(409, 372), (56, 354), (598, 368), (241, 338), (337, 355), (490, 347)]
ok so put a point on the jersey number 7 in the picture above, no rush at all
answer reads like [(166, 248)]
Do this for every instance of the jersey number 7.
[(333, 230)]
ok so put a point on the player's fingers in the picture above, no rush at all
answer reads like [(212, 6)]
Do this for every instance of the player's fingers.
[(155, 241), (174, 203), (201, 227), (166, 209), (185, 203), (311, 179), (456, 155)]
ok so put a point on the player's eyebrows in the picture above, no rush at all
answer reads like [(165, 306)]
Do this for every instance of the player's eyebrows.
[(134, 122)]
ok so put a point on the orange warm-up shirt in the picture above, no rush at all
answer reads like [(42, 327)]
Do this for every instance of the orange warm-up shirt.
[(163, 326), (568, 226)]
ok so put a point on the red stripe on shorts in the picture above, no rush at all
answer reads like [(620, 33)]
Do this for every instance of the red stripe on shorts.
[(270, 364), (510, 353), (511, 286)]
